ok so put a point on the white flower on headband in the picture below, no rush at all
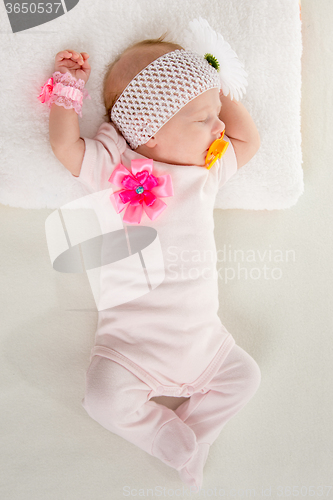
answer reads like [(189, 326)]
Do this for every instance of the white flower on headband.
[(203, 40)]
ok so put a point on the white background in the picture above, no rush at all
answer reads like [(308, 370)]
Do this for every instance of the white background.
[(51, 449)]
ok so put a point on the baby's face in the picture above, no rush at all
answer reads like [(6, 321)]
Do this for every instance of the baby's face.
[(186, 137)]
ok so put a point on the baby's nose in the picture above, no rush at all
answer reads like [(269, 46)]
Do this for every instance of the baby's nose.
[(218, 128)]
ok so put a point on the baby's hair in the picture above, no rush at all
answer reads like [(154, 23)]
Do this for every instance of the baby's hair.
[(115, 82)]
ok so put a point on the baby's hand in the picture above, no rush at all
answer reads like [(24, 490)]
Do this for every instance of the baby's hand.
[(73, 62)]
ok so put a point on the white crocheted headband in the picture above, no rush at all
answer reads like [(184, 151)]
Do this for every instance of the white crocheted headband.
[(158, 92), (166, 85)]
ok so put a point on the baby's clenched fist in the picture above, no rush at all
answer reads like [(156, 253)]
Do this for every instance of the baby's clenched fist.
[(76, 63)]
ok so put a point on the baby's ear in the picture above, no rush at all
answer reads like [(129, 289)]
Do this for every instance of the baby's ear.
[(151, 143)]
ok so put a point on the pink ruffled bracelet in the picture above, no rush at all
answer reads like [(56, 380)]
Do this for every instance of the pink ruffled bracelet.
[(64, 90)]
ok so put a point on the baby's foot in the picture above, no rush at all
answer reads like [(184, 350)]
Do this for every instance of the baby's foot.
[(192, 473)]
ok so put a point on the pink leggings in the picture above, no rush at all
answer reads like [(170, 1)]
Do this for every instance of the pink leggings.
[(120, 402)]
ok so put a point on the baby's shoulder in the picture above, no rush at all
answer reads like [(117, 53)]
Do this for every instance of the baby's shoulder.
[(107, 130)]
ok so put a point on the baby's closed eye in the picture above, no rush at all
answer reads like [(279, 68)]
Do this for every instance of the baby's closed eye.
[(203, 120), (207, 118)]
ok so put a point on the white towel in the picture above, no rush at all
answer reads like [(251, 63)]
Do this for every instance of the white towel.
[(265, 35)]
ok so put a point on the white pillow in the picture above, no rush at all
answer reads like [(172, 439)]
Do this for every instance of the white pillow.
[(30, 175)]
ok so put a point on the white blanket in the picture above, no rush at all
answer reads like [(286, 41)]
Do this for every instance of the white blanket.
[(265, 35)]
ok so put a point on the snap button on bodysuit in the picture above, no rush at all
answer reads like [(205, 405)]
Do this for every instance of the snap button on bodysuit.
[(190, 390)]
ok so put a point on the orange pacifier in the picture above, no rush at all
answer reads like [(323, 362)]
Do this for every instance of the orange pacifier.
[(216, 151)]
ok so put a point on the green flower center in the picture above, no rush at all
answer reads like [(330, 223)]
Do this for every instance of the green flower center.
[(212, 61)]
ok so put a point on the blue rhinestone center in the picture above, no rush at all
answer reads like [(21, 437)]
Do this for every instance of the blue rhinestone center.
[(139, 190)]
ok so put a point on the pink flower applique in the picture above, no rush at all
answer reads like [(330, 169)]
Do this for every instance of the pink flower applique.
[(141, 191)]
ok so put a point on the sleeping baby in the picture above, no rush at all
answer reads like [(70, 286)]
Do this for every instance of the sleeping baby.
[(175, 134)]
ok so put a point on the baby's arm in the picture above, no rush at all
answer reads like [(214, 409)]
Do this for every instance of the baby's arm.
[(64, 131), (240, 129)]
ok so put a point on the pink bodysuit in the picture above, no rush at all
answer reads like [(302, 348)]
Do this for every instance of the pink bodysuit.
[(170, 340), (178, 320)]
